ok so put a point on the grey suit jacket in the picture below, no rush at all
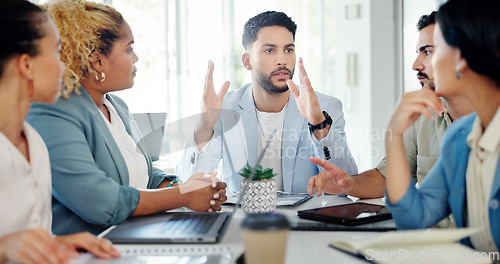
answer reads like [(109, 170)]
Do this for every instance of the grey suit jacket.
[(235, 142), (89, 175)]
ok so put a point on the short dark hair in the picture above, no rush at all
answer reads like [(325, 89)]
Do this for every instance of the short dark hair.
[(426, 20), (266, 19), (20, 28), (472, 27)]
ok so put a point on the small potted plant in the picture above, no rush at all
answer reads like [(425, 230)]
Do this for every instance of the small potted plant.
[(260, 194)]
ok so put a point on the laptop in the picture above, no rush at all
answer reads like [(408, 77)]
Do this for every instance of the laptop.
[(151, 126), (171, 228), (177, 227)]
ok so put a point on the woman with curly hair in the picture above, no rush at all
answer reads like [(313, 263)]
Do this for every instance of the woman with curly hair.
[(101, 171), (30, 71)]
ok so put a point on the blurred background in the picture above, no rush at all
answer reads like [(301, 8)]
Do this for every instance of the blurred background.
[(359, 51)]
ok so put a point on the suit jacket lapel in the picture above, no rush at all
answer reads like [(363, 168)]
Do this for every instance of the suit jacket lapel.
[(248, 117), (292, 129), (132, 130), (458, 199), (112, 146), (496, 181)]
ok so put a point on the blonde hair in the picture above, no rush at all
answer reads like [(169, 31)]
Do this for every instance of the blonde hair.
[(84, 27)]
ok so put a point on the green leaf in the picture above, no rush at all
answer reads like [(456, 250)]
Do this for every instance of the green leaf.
[(245, 170), (267, 170), (260, 173)]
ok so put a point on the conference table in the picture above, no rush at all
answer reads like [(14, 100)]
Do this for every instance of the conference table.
[(302, 246)]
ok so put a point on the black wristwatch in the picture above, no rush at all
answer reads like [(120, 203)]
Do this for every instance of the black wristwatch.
[(328, 121)]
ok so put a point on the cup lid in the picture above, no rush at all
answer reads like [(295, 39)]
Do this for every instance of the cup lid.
[(265, 221)]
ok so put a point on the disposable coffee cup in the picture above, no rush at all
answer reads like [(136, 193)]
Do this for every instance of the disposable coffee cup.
[(265, 236)]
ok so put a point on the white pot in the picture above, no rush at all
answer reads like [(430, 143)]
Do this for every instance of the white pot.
[(259, 197)]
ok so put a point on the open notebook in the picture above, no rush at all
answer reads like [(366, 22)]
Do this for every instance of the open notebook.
[(415, 246)]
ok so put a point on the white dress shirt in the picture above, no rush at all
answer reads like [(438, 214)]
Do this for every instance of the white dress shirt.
[(135, 160), (25, 187), (483, 158)]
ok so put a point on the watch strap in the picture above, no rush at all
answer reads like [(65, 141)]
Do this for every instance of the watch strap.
[(328, 121)]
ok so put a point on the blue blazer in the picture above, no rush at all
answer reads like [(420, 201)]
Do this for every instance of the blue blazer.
[(235, 141), (443, 190), (89, 175)]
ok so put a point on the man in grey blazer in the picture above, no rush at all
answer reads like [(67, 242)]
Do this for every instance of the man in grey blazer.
[(308, 123)]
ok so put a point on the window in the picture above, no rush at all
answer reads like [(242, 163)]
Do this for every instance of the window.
[(412, 11), (174, 39)]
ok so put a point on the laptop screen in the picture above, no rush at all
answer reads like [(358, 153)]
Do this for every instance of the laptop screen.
[(151, 126)]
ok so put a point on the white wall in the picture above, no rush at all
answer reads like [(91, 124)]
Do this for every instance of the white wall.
[(369, 104)]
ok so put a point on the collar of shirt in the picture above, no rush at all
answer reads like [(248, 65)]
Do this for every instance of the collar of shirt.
[(445, 114), (487, 141)]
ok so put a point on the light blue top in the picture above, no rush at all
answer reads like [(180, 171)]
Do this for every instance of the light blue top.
[(235, 141), (443, 190), (89, 175)]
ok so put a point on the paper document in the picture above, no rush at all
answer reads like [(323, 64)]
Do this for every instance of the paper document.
[(283, 198), (415, 246)]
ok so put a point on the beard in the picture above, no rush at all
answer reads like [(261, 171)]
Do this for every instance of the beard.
[(266, 84), (432, 86), (430, 83)]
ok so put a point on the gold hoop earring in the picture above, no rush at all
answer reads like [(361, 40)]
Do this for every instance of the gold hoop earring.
[(102, 78), (31, 90)]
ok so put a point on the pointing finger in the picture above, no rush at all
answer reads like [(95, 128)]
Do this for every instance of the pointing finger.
[(321, 162)]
